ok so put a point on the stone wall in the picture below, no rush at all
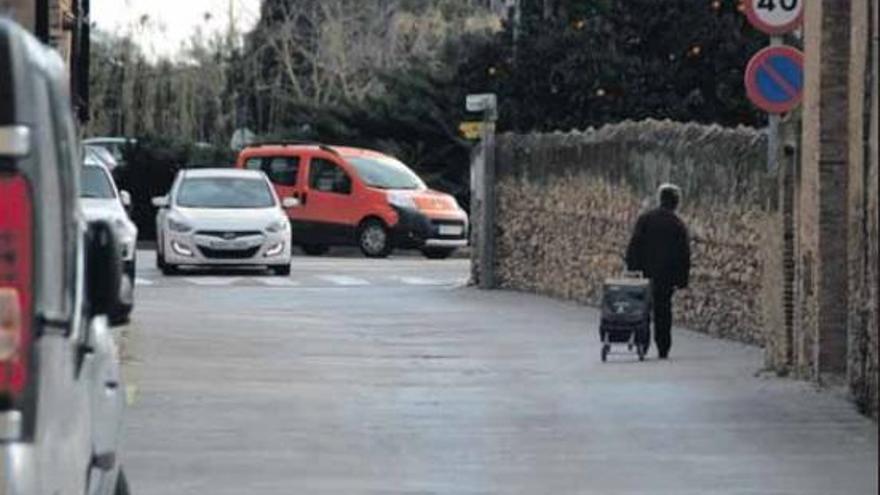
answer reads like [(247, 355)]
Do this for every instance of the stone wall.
[(566, 204)]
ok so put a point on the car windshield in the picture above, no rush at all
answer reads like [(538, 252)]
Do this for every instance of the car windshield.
[(385, 173), (225, 192), (96, 183)]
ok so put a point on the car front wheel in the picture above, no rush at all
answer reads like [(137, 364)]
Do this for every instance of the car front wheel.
[(374, 239), (281, 270)]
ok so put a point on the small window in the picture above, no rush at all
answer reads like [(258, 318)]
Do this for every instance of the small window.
[(283, 171), (254, 164), (326, 176)]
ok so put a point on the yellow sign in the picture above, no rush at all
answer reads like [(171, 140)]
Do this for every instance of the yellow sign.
[(472, 130)]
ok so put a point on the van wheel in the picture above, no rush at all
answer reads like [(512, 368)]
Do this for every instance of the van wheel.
[(121, 484), (437, 253), (160, 260), (373, 239), (315, 249)]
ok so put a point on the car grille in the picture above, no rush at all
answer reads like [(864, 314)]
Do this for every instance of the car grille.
[(229, 234), (229, 254)]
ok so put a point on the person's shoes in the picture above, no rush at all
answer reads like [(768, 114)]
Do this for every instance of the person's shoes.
[(664, 355)]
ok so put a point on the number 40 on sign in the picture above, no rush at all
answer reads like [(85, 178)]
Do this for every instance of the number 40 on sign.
[(775, 17)]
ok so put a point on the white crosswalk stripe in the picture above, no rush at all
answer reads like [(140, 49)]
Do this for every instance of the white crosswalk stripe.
[(212, 281), (142, 281), (277, 282), (420, 281), (344, 280)]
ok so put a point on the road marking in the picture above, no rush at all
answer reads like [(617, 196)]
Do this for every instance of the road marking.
[(212, 281), (344, 280), (142, 281), (277, 282), (131, 394), (420, 281)]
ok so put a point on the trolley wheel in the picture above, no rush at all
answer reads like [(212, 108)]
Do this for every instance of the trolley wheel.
[(605, 349)]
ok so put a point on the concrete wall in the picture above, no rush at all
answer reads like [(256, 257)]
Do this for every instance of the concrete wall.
[(567, 203)]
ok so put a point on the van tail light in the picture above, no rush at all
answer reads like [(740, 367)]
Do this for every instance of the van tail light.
[(16, 283)]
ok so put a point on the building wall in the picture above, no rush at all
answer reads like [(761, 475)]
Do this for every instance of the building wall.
[(23, 11), (862, 207), (836, 314), (60, 19)]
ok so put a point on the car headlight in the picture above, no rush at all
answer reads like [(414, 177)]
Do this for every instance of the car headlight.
[(278, 226), (178, 226), (401, 200), (125, 228)]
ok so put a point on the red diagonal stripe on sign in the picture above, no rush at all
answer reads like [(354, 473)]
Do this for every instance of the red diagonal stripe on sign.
[(778, 79)]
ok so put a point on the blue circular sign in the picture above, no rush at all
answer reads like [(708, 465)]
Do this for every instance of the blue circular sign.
[(775, 79)]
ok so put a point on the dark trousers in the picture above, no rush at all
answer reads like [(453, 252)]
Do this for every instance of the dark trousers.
[(663, 319)]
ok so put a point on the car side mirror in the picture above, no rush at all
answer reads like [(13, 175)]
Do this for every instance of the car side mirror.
[(290, 203), (125, 198), (160, 201), (103, 269)]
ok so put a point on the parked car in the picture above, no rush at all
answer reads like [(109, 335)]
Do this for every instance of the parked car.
[(101, 200), (222, 217), (100, 154), (61, 390), (352, 196), (114, 145)]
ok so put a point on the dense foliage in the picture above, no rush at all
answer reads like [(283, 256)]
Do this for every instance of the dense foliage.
[(393, 74)]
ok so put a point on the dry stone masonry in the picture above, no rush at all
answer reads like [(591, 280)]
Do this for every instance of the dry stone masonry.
[(567, 204)]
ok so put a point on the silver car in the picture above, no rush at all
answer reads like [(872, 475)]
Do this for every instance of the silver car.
[(222, 217), (101, 200), (61, 392)]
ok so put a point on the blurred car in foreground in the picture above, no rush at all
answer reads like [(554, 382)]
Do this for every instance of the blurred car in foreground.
[(353, 196), (61, 393), (222, 217), (101, 200)]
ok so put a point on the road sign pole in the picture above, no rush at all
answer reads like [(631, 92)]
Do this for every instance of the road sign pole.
[(773, 126), (484, 172), (487, 229)]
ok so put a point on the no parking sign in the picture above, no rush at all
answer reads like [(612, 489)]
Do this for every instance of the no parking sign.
[(775, 79)]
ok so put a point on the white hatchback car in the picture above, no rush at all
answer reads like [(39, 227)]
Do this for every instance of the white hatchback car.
[(222, 217), (101, 200)]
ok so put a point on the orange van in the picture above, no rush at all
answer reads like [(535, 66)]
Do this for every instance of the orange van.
[(358, 197)]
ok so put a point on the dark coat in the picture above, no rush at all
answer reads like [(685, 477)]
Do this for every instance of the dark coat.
[(660, 248)]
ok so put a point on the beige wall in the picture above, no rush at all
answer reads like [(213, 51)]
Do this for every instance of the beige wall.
[(21, 10)]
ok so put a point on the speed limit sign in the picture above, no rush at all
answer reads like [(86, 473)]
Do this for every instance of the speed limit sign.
[(775, 16)]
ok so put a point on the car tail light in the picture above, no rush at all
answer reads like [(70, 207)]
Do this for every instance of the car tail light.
[(16, 283)]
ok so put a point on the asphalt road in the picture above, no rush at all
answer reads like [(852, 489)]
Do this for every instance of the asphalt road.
[(359, 376)]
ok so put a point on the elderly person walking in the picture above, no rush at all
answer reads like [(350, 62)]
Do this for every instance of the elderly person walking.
[(660, 248)]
